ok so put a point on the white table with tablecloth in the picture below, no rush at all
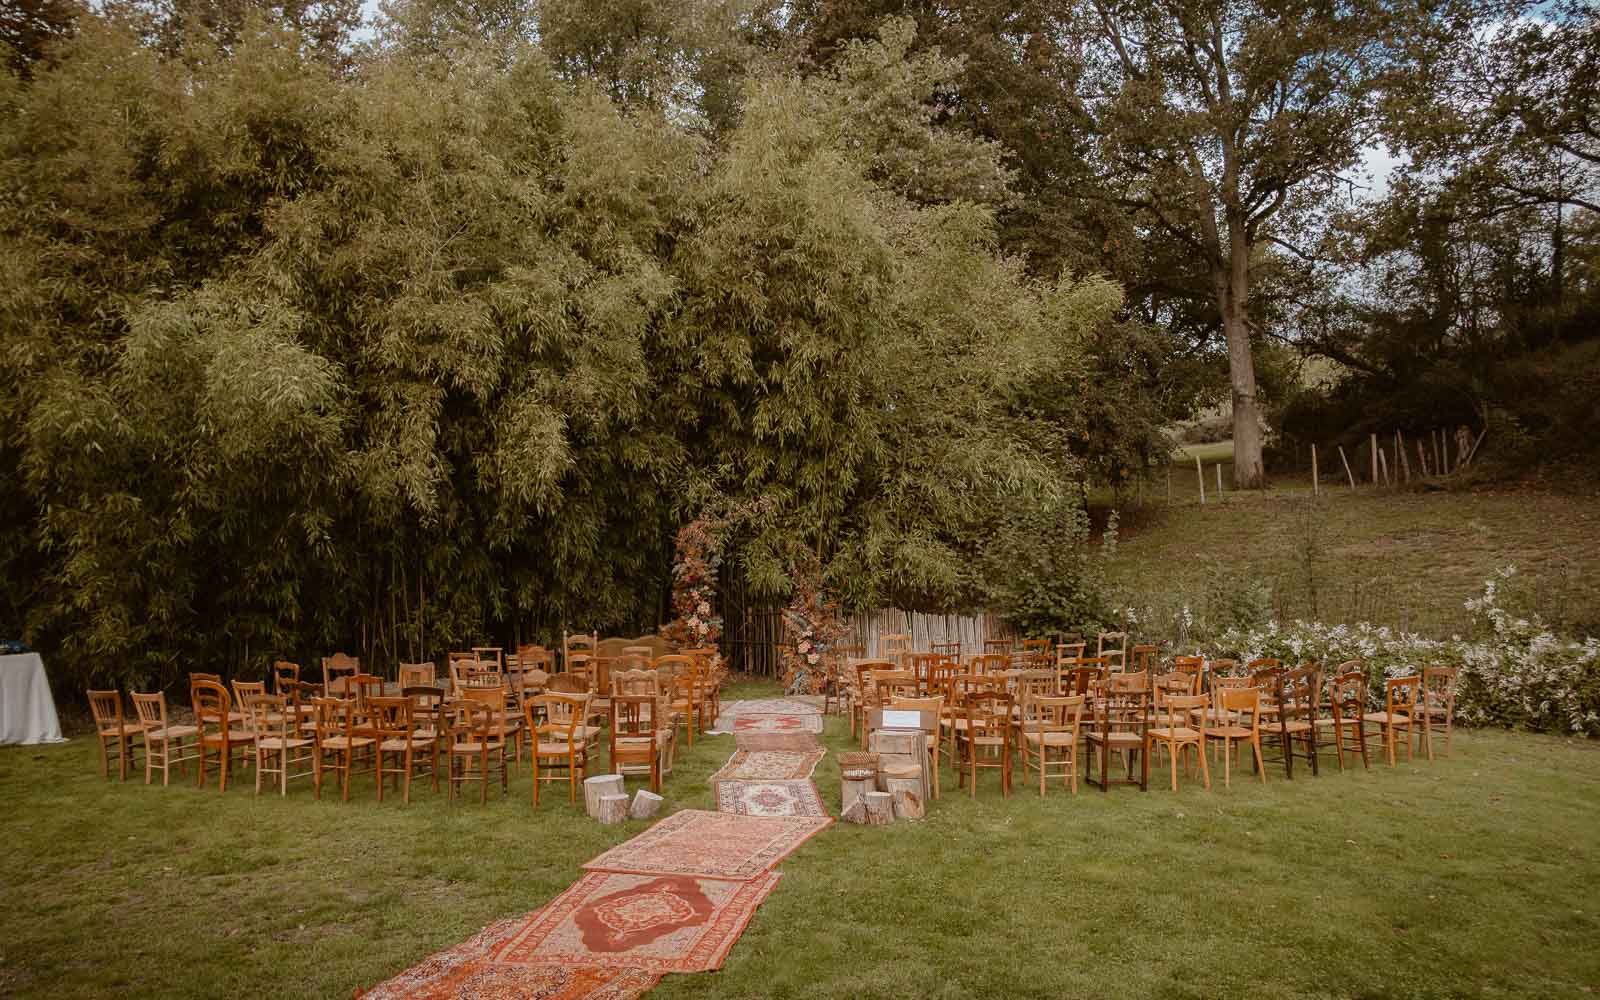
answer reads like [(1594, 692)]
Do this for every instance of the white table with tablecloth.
[(27, 712)]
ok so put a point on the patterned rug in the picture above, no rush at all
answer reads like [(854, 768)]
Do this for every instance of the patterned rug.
[(658, 923), (710, 845), (769, 765), (808, 723), (775, 741), (470, 970), (770, 798)]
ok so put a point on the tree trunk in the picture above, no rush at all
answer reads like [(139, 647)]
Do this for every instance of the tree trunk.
[(1248, 473)]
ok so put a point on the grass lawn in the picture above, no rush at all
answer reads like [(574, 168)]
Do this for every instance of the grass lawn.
[(1406, 559), (1478, 874)]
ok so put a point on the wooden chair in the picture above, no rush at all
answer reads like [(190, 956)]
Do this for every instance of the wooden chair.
[(116, 732), (341, 735), (1222, 668), (863, 694), (163, 741), (1347, 704), (1216, 715), (335, 670), (559, 742), (1036, 646), (1068, 654), (1182, 727), (894, 646), (999, 647), (637, 744), (478, 736), (243, 693), (217, 730), (949, 650), (923, 667), (990, 663), (394, 724), (658, 687), (1144, 657), (1194, 667), (688, 695), (889, 684), (1122, 724), (985, 739), (1114, 647), (283, 674), (1437, 712), (491, 654), (579, 642), (1238, 704), (278, 740), (1297, 696), (418, 674), (1051, 723), (1400, 696)]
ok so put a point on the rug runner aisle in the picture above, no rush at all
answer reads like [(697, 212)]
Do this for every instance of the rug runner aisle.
[(674, 898)]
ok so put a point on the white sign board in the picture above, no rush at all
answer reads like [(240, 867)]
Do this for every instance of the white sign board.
[(902, 720)]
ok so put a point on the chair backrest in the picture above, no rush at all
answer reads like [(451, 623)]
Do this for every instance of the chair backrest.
[(999, 647), (600, 676), (1178, 711), (1245, 701), (990, 663), (633, 716), (1144, 657), (364, 687), (427, 705), (1052, 713), (151, 709), (950, 649), (106, 707), (338, 667), (334, 717), (988, 713), (1040, 683), (1400, 694), (284, 674), (1114, 645), (934, 704), (491, 654), (1347, 692), (493, 700), (1262, 663), (638, 681), (1439, 687), (891, 646), (568, 683), (563, 713), (243, 691), (1299, 693), (888, 684), (1167, 685), (268, 714), (417, 674), (1083, 676), (1222, 668), (1036, 645), (211, 704), (577, 642), (392, 718), (612, 646), (1265, 678), (1194, 666), (1069, 653)]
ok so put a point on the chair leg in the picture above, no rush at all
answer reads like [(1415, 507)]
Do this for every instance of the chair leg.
[(1261, 764)]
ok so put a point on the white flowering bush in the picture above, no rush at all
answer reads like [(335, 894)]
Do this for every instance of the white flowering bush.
[(1513, 671)]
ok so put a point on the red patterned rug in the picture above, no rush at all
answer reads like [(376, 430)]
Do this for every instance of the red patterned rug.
[(470, 970), (658, 923), (710, 845), (775, 741), (810, 723), (770, 798), (769, 765)]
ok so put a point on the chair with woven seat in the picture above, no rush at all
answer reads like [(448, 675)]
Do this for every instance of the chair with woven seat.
[(477, 736), (1181, 726), (559, 743), (1297, 696), (688, 693), (1346, 705), (658, 687), (113, 730), (245, 692), (1114, 647), (341, 736), (403, 742), (984, 739), (889, 684), (1051, 724), (989, 663), (423, 674), (1400, 696), (1237, 705), (638, 743), (1122, 725), (278, 741), (163, 740), (217, 729), (1437, 710)]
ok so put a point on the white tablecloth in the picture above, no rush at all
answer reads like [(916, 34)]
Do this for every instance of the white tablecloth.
[(27, 713)]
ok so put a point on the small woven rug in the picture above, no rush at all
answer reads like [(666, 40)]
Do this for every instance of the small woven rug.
[(775, 741), (769, 765), (807, 723), (658, 923), (711, 845), (770, 798), (470, 969)]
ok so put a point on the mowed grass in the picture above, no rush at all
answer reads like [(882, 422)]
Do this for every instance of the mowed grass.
[(1478, 874), (1403, 558)]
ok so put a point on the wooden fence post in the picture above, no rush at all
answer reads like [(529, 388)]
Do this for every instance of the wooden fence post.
[(1347, 472), (1374, 445), (1400, 453), (1219, 478), (1316, 489), (1200, 476)]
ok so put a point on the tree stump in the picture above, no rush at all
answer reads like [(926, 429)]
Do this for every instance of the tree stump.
[(880, 808), (612, 809), (853, 789), (907, 791), (595, 787), (857, 813), (645, 805)]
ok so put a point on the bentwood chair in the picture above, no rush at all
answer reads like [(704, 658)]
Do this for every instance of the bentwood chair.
[(1399, 712), (1437, 712), (113, 731), (1113, 646), (1240, 705), (217, 730), (560, 748), (1192, 666), (1181, 727), (279, 747), (1143, 656), (1347, 703), (1296, 696), (1122, 724), (163, 741), (1050, 727)]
